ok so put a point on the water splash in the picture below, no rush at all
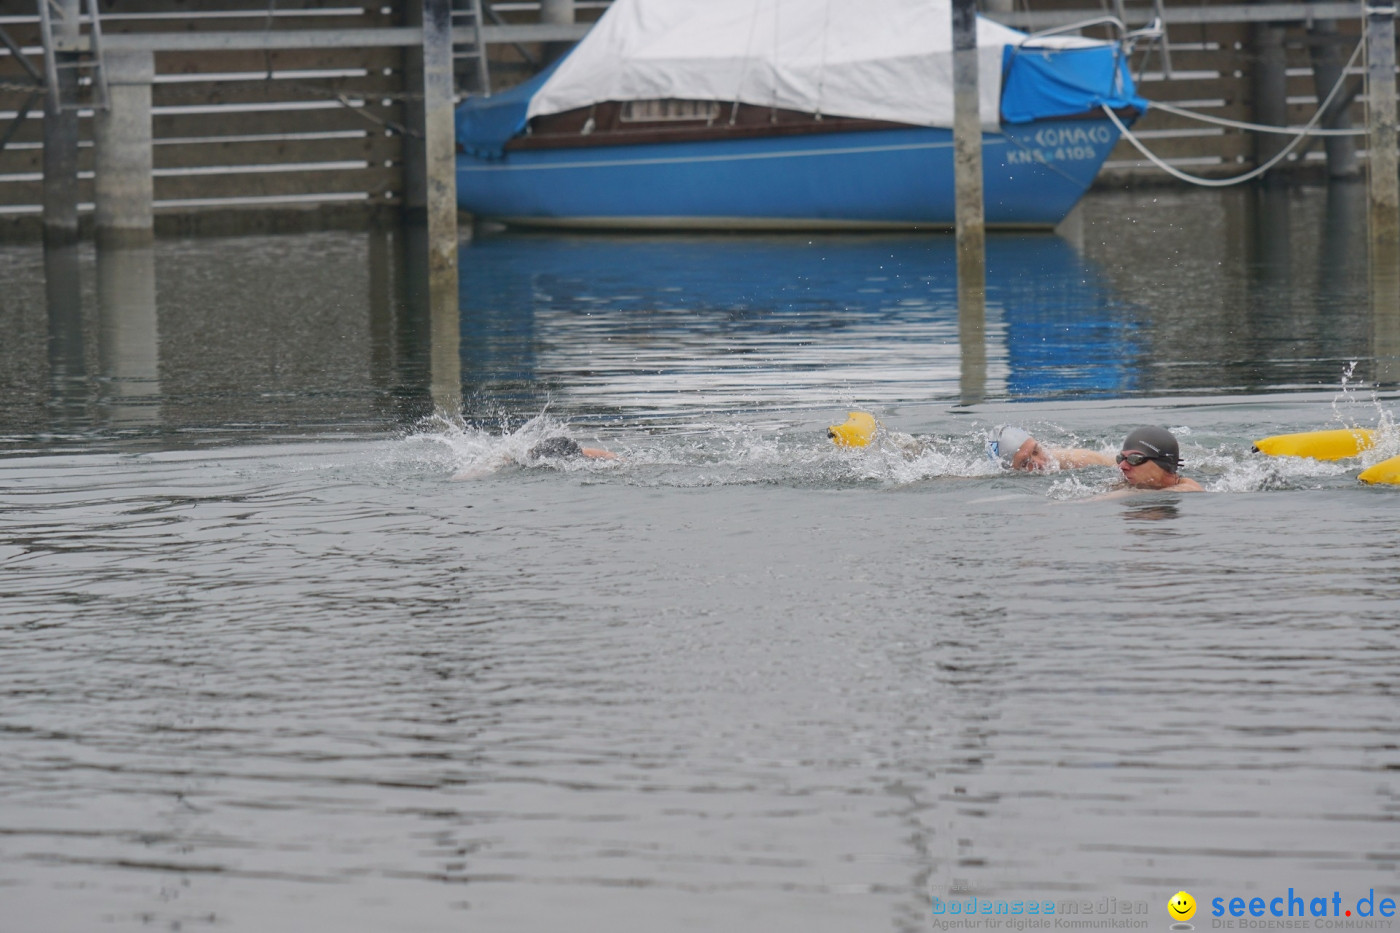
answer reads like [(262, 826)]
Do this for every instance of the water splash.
[(476, 450), (791, 453)]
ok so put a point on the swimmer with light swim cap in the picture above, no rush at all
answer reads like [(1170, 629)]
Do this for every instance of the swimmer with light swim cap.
[(1150, 459), (1007, 445), (1017, 450)]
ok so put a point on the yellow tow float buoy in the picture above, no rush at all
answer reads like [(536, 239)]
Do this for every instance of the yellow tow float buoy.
[(1320, 445), (858, 431), (1387, 471)]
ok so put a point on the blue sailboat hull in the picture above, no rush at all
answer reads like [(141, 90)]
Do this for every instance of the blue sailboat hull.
[(1034, 173)]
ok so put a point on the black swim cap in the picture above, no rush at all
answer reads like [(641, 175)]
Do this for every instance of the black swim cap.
[(554, 448), (1158, 443)]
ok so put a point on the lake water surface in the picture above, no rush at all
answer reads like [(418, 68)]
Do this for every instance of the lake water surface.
[(268, 661)]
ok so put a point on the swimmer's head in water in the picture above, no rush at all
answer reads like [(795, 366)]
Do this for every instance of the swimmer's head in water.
[(554, 448), (1003, 441), (1156, 444)]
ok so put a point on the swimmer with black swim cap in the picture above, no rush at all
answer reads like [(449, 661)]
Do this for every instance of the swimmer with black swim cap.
[(1017, 450), (555, 449), (1150, 459), (565, 448)]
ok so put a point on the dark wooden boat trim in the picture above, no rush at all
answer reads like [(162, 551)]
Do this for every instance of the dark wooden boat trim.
[(572, 130)]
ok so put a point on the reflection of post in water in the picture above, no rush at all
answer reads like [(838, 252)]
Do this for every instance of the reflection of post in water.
[(1260, 237), (67, 367), (382, 306), (1385, 326), (128, 335), (1342, 257), (1271, 245), (429, 339), (972, 344)]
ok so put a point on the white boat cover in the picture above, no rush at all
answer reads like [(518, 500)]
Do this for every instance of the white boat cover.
[(871, 59)]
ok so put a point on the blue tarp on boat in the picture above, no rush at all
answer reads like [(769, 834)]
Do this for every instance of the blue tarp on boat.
[(1041, 84), (486, 124)]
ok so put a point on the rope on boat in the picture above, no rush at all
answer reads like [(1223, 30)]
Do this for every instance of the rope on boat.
[(1309, 129), (1255, 127)]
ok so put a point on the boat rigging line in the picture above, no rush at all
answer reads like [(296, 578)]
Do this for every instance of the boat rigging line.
[(1308, 129)]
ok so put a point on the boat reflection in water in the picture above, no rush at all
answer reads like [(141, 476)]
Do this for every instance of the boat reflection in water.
[(704, 323)]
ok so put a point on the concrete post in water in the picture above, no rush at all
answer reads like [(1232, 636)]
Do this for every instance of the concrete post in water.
[(967, 185), (440, 159), (61, 138), (1327, 61), (1383, 190), (1269, 86), (122, 184)]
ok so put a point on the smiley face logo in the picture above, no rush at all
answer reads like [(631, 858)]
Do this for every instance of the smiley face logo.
[(1182, 906)]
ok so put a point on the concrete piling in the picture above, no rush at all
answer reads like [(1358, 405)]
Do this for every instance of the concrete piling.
[(1383, 177), (970, 217), (556, 13), (1269, 85), (440, 158), (1383, 190), (1327, 61), (123, 187)]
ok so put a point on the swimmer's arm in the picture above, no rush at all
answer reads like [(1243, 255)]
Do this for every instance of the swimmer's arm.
[(1072, 458), (597, 453)]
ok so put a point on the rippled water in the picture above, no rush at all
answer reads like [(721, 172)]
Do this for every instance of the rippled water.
[(279, 650)]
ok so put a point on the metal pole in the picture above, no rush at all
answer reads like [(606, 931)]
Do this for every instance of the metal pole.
[(123, 188), (440, 157), (967, 183), (61, 136)]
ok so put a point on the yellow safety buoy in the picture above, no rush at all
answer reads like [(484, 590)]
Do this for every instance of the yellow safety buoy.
[(1387, 471), (858, 431), (1320, 445)]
